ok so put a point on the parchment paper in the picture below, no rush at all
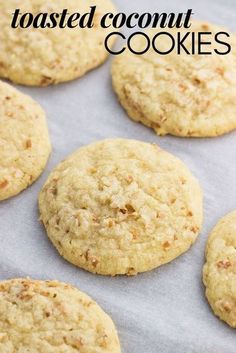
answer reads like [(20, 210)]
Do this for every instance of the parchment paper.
[(163, 311)]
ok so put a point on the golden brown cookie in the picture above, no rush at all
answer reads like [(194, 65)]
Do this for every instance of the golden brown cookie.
[(182, 95), (24, 141), (121, 207), (52, 317), (219, 274), (39, 57)]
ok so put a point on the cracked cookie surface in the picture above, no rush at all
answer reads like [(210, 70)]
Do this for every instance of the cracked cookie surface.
[(219, 274), (40, 57), (52, 317), (182, 95), (24, 141), (121, 207)]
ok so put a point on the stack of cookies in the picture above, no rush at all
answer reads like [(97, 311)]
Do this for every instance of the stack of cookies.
[(117, 206)]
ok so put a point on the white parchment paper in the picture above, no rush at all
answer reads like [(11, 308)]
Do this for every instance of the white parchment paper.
[(163, 311)]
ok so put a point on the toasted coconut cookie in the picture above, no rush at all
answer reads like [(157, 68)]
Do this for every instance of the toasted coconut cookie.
[(219, 274), (52, 317), (182, 95), (121, 207), (44, 56), (24, 141)]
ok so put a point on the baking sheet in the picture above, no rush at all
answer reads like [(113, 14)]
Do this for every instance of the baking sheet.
[(163, 311)]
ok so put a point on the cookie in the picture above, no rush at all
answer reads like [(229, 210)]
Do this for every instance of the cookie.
[(182, 95), (40, 57), (121, 207), (52, 317), (219, 273), (24, 141)]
